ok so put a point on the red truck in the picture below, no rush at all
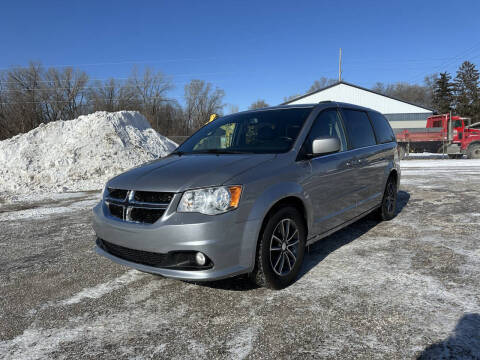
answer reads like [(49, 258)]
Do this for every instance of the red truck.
[(441, 135)]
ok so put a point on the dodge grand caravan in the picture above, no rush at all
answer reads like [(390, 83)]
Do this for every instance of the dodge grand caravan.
[(248, 192)]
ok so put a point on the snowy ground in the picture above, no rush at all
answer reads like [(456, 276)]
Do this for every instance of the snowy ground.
[(398, 289)]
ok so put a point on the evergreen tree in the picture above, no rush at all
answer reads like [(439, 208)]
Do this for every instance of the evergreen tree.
[(443, 93), (467, 92)]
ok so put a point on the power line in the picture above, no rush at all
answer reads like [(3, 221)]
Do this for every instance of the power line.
[(89, 87), (125, 78), (454, 59), (69, 101), (137, 62)]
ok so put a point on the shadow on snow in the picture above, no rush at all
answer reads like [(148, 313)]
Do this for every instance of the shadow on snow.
[(464, 343)]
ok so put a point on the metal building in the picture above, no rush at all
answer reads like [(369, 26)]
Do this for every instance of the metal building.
[(401, 114)]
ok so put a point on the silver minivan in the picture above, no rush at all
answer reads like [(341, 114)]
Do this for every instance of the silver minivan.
[(249, 191)]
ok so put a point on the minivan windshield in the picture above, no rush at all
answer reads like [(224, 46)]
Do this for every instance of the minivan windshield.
[(262, 131)]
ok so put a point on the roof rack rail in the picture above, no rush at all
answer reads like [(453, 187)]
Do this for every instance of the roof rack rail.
[(325, 101)]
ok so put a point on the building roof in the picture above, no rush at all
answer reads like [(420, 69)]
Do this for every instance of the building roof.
[(354, 86)]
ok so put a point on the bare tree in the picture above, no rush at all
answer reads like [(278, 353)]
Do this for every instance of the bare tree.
[(151, 89), (112, 95), (30, 96), (291, 97), (22, 98), (260, 103), (232, 108), (63, 93), (200, 102), (321, 83), (414, 93), (4, 126)]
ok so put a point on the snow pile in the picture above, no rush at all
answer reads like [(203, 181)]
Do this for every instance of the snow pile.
[(78, 155)]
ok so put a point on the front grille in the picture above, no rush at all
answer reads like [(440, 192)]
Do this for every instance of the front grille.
[(184, 260), (146, 215), (116, 210), (117, 193), (137, 206), (154, 197)]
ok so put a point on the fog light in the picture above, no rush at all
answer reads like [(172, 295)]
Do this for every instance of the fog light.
[(200, 259)]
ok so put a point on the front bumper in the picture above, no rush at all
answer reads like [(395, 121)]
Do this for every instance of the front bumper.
[(229, 243)]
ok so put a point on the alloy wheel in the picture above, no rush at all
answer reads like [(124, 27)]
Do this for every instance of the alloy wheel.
[(390, 197), (284, 247)]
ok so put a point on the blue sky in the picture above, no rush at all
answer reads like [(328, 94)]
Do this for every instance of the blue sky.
[(251, 49)]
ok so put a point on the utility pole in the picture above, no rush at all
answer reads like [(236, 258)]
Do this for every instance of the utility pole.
[(340, 66)]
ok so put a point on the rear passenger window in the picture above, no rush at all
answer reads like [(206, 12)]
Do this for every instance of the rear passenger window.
[(382, 128), (359, 128)]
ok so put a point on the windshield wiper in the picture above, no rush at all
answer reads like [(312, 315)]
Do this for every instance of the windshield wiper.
[(218, 151)]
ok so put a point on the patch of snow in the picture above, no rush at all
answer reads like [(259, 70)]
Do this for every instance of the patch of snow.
[(78, 155), (104, 288), (29, 198), (242, 344), (39, 343), (443, 163), (40, 212), (426, 155)]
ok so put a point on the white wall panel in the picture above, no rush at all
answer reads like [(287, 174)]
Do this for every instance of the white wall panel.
[(354, 95), (408, 124)]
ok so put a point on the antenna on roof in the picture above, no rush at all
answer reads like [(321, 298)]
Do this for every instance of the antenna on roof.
[(340, 66)]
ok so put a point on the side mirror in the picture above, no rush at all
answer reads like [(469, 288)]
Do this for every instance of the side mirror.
[(325, 145)]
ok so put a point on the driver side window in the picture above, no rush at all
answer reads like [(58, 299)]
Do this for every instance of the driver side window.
[(327, 124)]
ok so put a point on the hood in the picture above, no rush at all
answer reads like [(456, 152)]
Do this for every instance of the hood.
[(179, 173)]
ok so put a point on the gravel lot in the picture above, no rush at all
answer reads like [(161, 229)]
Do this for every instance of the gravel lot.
[(400, 289)]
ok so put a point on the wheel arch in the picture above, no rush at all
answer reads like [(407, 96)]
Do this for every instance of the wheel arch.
[(394, 173), (290, 200), (475, 142)]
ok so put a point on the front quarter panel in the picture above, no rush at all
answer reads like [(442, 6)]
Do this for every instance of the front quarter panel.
[(263, 188)]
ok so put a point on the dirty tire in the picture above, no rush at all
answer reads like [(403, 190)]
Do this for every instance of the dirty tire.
[(276, 244), (401, 152), (473, 151), (386, 211)]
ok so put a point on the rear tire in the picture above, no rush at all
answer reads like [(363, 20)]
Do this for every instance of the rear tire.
[(386, 211), (281, 249), (473, 151)]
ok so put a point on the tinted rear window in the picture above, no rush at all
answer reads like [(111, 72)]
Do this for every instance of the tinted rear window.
[(359, 128), (382, 128)]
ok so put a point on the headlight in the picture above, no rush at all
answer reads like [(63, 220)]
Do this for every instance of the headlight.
[(210, 201)]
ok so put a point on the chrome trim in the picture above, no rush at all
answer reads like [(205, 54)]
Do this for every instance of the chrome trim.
[(129, 203)]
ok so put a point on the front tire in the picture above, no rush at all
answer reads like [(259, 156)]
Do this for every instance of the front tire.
[(281, 249), (386, 211)]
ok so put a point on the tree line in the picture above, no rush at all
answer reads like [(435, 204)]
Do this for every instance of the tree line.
[(33, 95)]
